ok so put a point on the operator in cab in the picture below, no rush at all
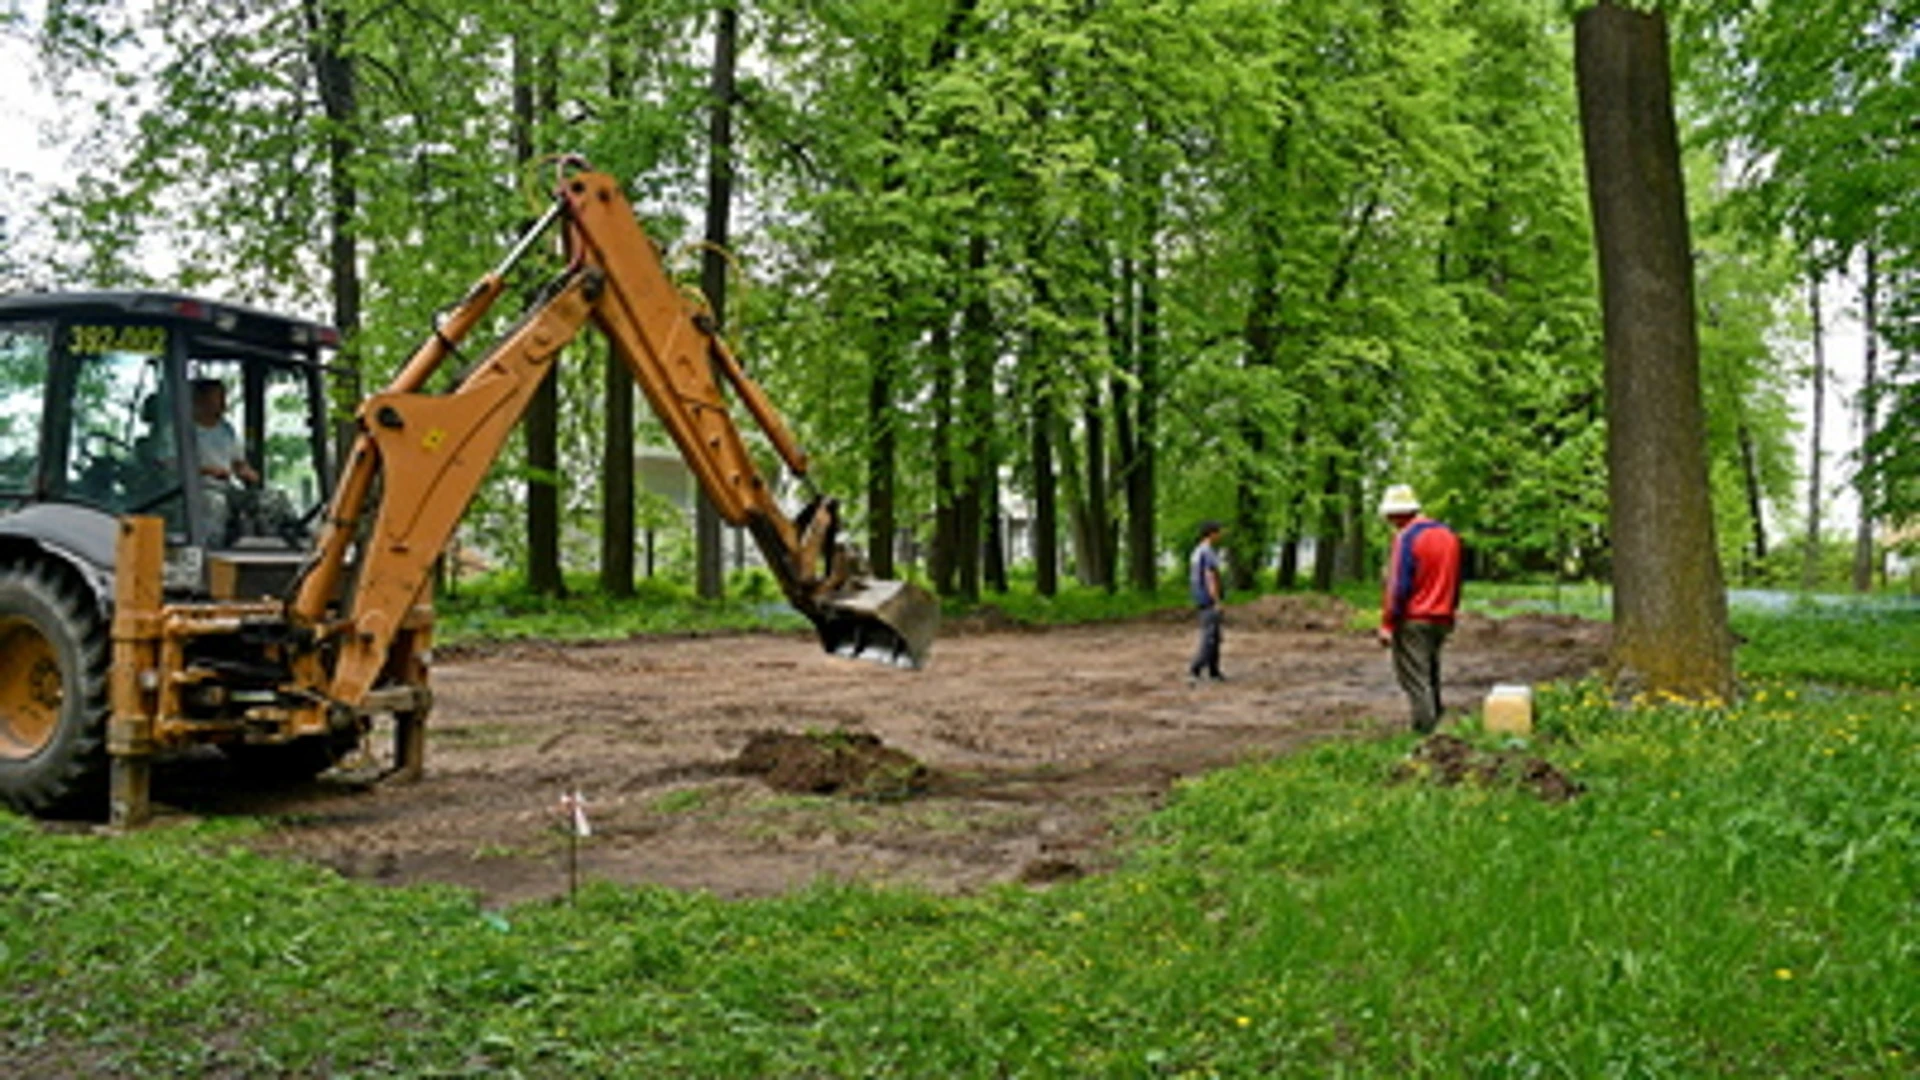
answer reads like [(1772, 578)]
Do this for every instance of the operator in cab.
[(220, 453)]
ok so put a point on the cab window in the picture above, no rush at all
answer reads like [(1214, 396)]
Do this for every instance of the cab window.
[(122, 450), (25, 351)]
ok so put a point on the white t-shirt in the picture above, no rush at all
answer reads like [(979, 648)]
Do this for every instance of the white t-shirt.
[(219, 446)]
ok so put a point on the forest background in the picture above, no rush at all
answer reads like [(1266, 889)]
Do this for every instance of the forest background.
[(1120, 266)]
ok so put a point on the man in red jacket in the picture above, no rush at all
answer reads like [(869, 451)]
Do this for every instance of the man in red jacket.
[(1422, 593)]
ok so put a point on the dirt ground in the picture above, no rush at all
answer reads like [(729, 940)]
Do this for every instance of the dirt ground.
[(1026, 750)]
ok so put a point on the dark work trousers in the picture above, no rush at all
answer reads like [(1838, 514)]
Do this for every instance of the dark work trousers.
[(1416, 663), (1206, 660)]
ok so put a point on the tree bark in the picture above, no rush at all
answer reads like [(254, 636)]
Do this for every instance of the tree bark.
[(617, 517), (1046, 506), (338, 84), (1670, 604), (883, 458), (1042, 420), (1142, 547), (616, 483), (1750, 471), (531, 96), (977, 468), (942, 564), (1863, 560), (1096, 548), (1810, 567), (709, 545)]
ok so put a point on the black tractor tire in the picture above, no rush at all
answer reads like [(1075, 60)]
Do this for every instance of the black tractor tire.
[(54, 653)]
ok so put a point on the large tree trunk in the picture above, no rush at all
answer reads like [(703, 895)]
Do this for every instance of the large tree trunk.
[(616, 482), (1043, 420), (339, 96), (994, 570), (976, 420), (883, 459), (1046, 506), (1810, 568), (1670, 604), (617, 518), (943, 564), (709, 546), (1863, 560), (532, 95), (1142, 548), (1261, 336), (1326, 540), (1097, 524)]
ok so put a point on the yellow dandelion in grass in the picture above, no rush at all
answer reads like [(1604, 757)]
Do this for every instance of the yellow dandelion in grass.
[(1242, 1021), (1783, 974)]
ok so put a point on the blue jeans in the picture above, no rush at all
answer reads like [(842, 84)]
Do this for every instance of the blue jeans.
[(1206, 660)]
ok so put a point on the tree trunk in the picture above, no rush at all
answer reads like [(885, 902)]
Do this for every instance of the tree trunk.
[(531, 96), (1043, 418), (1863, 561), (709, 547), (883, 456), (1353, 532), (1046, 507), (616, 482), (994, 570), (976, 403), (339, 96), (1670, 604), (943, 564), (1142, 547), (617, 517), (1750, 471), (1097, 555), (1326, 540), (1810, 568)]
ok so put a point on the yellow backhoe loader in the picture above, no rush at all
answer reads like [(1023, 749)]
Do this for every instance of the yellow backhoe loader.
[(165, 585)]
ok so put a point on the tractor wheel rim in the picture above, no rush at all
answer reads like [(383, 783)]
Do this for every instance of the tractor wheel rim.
[(31, 690)]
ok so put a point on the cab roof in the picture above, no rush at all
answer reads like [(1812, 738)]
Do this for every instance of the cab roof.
[(219, 317)]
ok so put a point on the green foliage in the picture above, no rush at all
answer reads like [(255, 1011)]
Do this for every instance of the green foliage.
[(1732, 894), (1831, 640), (501, 607), (1295, 250)]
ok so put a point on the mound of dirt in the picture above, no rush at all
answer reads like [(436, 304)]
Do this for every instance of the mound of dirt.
[(985, 619), (853, 763), (1448, 760), (1293, 611), (1536, 631)]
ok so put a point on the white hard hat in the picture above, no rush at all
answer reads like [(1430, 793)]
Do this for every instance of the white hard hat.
[(1399, 499)]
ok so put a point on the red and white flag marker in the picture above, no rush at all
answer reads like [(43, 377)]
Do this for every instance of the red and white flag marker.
[(574, 805)]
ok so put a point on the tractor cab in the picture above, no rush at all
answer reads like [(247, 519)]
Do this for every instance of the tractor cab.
[(208, 416)]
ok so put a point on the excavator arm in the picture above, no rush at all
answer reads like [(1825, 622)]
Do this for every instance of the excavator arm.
[(419, 458)]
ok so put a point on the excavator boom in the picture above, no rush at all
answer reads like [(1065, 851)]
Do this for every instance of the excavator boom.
[(429, 452)]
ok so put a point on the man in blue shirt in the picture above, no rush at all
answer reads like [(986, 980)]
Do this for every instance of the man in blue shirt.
[(1203, 580)]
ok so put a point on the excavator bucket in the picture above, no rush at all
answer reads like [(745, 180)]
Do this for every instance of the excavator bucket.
[(888, 622)]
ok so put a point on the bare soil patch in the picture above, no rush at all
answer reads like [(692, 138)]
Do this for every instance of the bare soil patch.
[(1018, 755), (1447, 760)]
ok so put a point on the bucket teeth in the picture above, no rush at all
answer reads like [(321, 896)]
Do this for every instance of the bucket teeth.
[(886, 622)]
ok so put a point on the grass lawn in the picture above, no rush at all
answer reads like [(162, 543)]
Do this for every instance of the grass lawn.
[(1737, 893)]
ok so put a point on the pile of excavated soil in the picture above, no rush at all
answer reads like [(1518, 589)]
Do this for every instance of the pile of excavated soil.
[(852, 763), (1448, 760)]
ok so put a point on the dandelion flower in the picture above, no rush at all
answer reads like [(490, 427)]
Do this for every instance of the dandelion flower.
[(1783, 974)]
